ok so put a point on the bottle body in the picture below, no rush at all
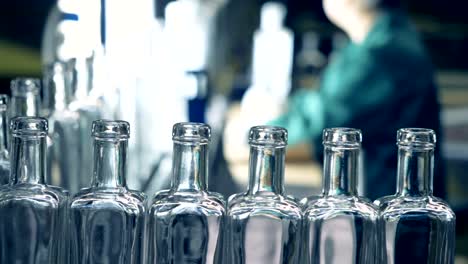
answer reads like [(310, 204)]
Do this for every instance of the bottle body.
[(185, 223), (416, 227), (340, 230), (185, 228), (420, 230), (107, 226), (107, 220), (264, 228), (34, 231)]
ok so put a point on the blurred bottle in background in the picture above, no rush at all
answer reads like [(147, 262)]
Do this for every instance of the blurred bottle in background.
[(133, 63), (310, 60), (176, 81), (25, 98), (4, 144), (271, 66), (64, 154), (72, 40)]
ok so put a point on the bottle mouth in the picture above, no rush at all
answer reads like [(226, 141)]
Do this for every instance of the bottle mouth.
[(342, 137), (416, 137), (188, 132), (23, 86), (110, 129), (29, 126), (268, 136)]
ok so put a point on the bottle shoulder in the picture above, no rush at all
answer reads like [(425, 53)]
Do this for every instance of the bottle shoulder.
[(109, 198), (188, 202), (264, 204), (34, 193), (309, 200), (331, 206), (395, 206)]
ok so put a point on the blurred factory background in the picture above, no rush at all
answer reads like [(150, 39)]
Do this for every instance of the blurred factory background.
[(162, 62)]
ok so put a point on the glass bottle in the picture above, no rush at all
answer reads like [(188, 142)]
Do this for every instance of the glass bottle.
[(4, 157), (185, 223), (25, 99), (340, 227), (417, 227), (264, 225), (107, 219), (64, 152), (34, 230)]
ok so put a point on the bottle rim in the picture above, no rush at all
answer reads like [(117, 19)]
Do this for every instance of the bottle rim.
[(268, 136), (342, 136), (110, 129), (29, 126), (191, 132), (416, 137), (25, 85)]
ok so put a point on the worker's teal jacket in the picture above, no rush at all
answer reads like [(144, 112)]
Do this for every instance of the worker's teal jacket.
[(380, 85)]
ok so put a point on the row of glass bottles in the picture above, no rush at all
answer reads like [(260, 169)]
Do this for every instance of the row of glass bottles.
[(69, 124), (108, 223)]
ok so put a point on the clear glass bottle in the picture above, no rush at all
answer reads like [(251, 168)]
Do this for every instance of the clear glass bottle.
[(185, 223), (4, 157), (264, 225), (340, 227), (25, 100), (107, 220), (416, 226), (64, 152), (34, 229)]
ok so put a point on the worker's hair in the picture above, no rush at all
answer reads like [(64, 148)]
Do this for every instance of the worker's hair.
[(381, 4)]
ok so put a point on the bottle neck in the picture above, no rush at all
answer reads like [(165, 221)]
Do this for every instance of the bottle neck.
[(341, 168), (28, 160), (415, 171), (266, 169), (25, 105), (3, 131), (110, 157), (190, 167)]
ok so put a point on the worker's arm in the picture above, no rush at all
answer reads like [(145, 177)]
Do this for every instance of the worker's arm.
[(352, 89)]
